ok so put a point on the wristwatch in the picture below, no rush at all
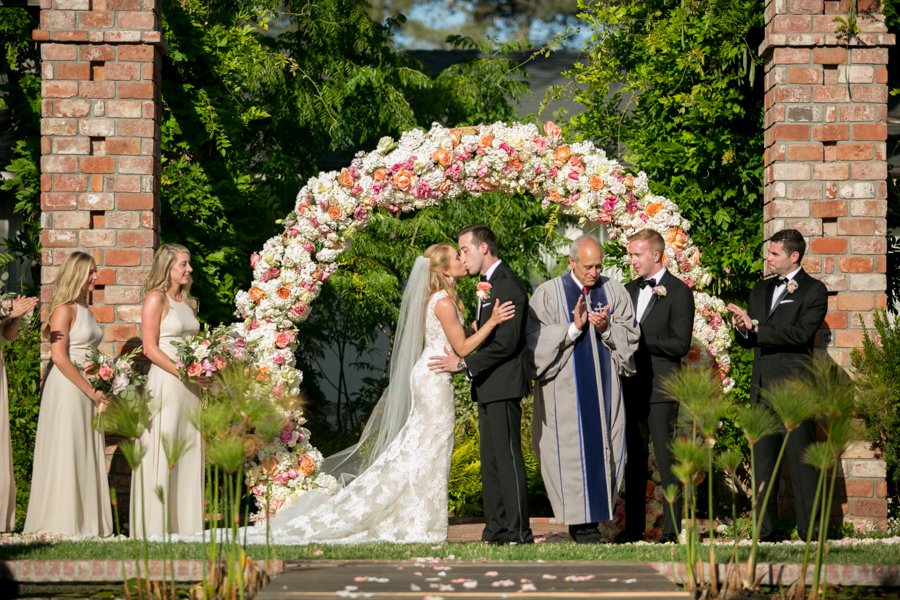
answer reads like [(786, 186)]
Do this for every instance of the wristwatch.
[(754, 325), (461, 365)]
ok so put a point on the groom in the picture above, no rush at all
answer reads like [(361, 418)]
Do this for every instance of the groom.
[(499, 381)]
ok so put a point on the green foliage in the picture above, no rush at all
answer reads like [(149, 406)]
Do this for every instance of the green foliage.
[(22, 357), (877, 372), (673, 88)]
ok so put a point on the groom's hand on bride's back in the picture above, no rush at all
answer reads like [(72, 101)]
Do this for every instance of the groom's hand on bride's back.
[(444, 363)]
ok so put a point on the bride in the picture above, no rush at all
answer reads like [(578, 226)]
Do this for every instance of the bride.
[(394, 479)]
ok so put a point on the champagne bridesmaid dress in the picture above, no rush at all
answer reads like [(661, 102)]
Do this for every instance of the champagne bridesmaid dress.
[(171, 406), (69, 488), (7, 481)]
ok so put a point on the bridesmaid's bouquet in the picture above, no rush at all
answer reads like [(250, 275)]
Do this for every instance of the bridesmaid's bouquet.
[(205, 353), (113, 375), (6, 298)]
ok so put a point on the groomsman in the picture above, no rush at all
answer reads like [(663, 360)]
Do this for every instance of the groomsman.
[(780, 325), (664, 308)]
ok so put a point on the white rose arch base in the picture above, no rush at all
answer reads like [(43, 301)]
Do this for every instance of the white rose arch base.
[(423, 169)]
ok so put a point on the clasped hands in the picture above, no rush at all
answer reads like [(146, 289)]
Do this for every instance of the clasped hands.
[(597, 318)]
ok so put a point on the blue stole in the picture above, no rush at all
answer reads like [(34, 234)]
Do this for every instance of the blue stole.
[(590, 421)]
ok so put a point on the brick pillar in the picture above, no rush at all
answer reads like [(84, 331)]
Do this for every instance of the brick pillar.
[(826, 175), (100, 149), (100, 163)]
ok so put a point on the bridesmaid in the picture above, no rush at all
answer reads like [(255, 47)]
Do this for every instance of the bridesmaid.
[(169, 312), (9, 327), (69, 489)]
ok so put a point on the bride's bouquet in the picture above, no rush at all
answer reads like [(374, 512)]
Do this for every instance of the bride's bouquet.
[(207, 352), (113, 375)]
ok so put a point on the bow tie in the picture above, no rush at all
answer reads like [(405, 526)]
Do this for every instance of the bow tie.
[(482, 278), (781, 281), (646, 282)]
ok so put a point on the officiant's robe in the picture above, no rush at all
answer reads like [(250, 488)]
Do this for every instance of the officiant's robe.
[(579, 415)]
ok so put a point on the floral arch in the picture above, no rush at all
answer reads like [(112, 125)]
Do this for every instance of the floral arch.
[(424, 168)]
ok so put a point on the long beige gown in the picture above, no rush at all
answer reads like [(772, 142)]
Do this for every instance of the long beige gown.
[(69, 488), (172, 404), (7, 481)]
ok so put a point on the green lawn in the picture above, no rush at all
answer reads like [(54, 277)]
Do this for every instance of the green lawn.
[(871, 553)]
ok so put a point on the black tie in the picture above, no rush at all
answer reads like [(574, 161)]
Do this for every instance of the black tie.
[(781, 281), (645, 282), (482, 278)]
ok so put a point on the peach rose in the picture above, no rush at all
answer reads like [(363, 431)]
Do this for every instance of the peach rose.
[(561, 154), (653, 208), (551, 129), (403, 179), (676, 238), (306, 465), (256, 294), (219, 362), (263, 374), (514, 163), (194, 369), (554, 196), (596, 182), (345, 178), (283, 339), (335, 212), (576, 163), (442, 157), (455, 136), (379, 174), (486, 140), (284, 292)]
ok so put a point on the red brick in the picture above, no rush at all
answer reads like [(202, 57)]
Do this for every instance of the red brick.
[(790, 132), (136, 128), (70, 145), (98, 53), (123, 219), (135, 90), (830, 93), (58, 52), (71, 71), (864, 112), (74, 109), (785, 56), (830, 133), (127, 109), (134, 5), (831, 170), (59, 164), (97, 127), (96, 201), (136, 20), (881, 489), (868, 245), (870, 131), (123, 183), (122, 36), (104, 314), (123, 71), (849, 226), (829, 208), (791, 93), (97, 89), (58, 201), (848, 338), (98, 164), (123, 258), (69, 35), (140, 165), (59, 89), (804, 75), (120, 333), (135, 202), (76, 219), (97, 183), (869, 93), (142, 239), (854, 152), (856, 264), (96, 19), (69, 183), (801, 152), (132, 276), (123, 146), (828, 245), (873, 170), (59, 238), (790, 24), (57, 19), (829, 56), (878, 56), (868, 508), (136, 53), (836, 320)]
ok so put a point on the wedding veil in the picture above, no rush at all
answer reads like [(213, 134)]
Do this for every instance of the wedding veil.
[(392, 410)]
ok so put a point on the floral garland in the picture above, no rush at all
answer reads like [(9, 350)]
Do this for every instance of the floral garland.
[(425, 168)]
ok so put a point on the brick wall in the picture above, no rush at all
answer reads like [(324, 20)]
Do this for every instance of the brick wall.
[(100, 146), (826, 175)]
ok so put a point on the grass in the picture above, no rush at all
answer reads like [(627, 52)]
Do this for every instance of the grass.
[(870, 553)]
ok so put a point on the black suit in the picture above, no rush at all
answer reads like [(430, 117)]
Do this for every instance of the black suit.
[(782, 349), (666, 330), (499, 381)]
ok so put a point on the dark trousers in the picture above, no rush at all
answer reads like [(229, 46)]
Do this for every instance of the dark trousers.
[(504, 486), (644, 424), (804, 477)]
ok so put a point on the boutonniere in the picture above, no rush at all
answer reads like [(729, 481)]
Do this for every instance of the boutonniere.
[(792, 286), (483, 291), (659, 290)]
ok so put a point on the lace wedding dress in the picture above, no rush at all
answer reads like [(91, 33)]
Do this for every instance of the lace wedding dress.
[(402, 495)]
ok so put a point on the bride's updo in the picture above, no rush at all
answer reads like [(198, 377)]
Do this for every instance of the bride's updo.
[(438, 256)]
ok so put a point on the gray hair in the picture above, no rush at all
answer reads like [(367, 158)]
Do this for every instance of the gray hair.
[(581, 241)]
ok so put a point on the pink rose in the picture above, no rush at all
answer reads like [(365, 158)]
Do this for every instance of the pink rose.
[(219, 362), (106, 372), (283, 339), (254, 259), (551, 129), (194, 370)]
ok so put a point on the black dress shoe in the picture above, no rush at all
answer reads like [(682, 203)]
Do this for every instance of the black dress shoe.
[(626, 537), (668, 538)]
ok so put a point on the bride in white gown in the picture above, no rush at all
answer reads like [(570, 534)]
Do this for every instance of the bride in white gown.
[(394, 479)]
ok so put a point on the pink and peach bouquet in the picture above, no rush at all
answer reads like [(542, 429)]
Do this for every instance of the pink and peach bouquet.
[(113, 375), (207, 352)]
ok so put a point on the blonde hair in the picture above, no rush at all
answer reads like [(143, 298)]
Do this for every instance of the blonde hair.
[(158, 280), (438, 256), (73, 273)]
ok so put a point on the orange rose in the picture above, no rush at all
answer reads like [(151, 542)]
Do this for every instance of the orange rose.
[(345, 179), (442, 157), (317, 274), (561, 154), (270, 466), (335, 212), (629, 181), (445, 186), (306, 465), (554, 196), (379, 174), (486, 140), (676, 238), (403, 179), (455, 137), (514, 163), (256, 294), (263, 374), (596, 182), (284, 292), (551, 129), (653, 208)]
